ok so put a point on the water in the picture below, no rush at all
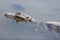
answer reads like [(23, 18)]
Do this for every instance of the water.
[(39, 9)]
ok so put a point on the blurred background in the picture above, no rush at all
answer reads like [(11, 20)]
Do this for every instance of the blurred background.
[(39, 9)]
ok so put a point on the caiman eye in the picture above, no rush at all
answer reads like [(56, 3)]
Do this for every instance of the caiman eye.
[(19, 13)]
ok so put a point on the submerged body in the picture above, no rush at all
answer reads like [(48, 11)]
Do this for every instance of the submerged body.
[(20, 17), (53, 26)]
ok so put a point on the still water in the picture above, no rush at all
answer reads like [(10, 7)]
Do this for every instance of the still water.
[(39, 9)]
